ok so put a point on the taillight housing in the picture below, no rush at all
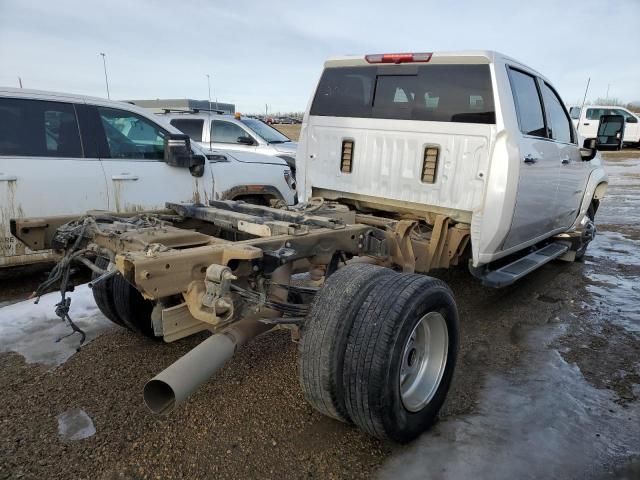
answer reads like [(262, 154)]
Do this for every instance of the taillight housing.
[(346, 156), (396, 58), (430, 163)]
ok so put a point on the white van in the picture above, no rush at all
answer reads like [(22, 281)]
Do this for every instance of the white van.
[(66, 154), (587, 121)]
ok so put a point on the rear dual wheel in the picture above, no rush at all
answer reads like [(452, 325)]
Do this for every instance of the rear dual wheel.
[(121, 303), (396, 339)]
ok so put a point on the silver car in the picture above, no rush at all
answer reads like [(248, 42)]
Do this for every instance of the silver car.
[(213, 131)]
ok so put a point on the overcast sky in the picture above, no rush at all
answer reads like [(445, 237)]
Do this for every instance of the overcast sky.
[(272, 51)]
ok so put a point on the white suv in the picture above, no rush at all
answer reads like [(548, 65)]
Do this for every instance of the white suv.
[(66, 154), (233, 132)]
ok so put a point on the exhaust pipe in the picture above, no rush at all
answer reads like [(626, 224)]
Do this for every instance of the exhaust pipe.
[(174, 385)]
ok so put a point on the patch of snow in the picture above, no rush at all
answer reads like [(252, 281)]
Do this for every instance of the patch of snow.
[(35, 332), (75, 424)]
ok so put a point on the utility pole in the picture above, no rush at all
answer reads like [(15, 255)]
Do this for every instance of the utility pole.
[(106, 80), (608, 85), (20, 82), (266, 111)]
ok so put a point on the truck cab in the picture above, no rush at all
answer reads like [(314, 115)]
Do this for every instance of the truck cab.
[(65, 154), (476, 136)]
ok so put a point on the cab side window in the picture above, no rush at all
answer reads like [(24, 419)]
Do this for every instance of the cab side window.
[(226, 132), (528, 105), (557, 119), (36, 128), (595, 113), (627, 116), (189, 126), (131, 136)]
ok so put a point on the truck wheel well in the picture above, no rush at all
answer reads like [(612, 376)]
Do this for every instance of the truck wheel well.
[(263, 200)]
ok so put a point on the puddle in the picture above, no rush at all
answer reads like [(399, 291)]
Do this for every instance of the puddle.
[(569, 408), (36, 333), (541, 420), (75, 424)]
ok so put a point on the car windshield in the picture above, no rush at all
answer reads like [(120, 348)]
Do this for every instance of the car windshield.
[(269, 134)]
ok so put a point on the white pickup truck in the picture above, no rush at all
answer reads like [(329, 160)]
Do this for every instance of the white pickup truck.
[(407, 163), (587, 121), (62, 154)]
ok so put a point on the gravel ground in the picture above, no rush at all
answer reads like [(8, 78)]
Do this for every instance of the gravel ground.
[(251, 421)]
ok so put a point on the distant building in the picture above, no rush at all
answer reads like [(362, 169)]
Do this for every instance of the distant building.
[(160, 104)]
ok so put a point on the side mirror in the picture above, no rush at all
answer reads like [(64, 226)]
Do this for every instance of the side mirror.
[(245, 140), (631, 119), (177, 153), (589, 150), (610, 132)]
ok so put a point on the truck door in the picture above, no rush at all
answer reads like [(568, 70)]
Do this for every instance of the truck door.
[(132, 153), (631, 125), (534, 211), (573, 173), (588, 126), (44, 169)]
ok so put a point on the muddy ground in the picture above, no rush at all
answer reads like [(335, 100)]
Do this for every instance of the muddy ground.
[(547, 386)]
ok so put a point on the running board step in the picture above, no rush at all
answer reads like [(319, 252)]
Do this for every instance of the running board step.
[(508, 274)]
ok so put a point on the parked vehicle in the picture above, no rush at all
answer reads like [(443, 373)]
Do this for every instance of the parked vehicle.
[(587, 121), (214, 131), (66, 154), (407, 163)]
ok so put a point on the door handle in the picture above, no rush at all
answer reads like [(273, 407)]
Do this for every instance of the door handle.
[(566, 161), (586, 124), (125, 176), (530, 160), (7, 178)]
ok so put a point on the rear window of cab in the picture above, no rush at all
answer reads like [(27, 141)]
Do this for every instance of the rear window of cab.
[(439, 93)]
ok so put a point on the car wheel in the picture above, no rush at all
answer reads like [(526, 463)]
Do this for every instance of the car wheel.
[(325, 332), (400, 356)]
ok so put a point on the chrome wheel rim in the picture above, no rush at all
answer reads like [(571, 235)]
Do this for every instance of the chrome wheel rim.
[(424, 357)]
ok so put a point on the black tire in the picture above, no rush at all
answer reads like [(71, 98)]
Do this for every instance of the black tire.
[(325, 332), (132, 307), (582, 250), (374, 355), (103, 294)]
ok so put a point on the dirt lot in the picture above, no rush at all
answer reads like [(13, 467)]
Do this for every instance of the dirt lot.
[(547, 386), (291, 131)]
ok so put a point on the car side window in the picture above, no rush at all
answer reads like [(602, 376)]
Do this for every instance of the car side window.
[(131, 136), (594, 113), (226, 132), (557, 119), (189, 126), (37, 128), (627, 116), (575, 113), (528, 105)]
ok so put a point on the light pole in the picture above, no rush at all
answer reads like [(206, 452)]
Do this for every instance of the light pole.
[(106, 80), (608, 85)]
